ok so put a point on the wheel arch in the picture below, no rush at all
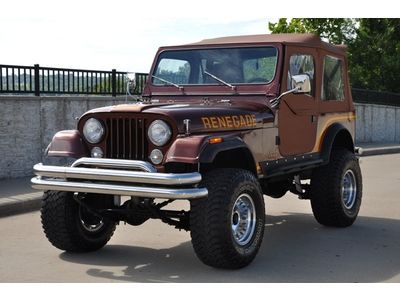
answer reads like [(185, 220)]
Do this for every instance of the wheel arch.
[(232, 153), (336, 136)]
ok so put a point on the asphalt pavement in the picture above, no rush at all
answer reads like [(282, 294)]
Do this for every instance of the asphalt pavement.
[(295, 247)]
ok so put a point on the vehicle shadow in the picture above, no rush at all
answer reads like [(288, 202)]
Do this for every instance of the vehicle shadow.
[(295, 249)]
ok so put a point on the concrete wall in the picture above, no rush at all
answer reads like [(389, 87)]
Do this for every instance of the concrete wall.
[(27, 125), (377, 123)]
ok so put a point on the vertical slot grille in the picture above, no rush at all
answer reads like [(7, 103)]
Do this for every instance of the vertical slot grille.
[(127, 138)]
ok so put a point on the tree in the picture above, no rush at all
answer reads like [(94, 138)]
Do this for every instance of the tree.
[(283, 26), (374, 55), (334, 30)]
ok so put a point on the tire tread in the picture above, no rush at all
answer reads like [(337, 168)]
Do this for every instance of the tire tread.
[(325, 192), (208, 231), (58, 216)]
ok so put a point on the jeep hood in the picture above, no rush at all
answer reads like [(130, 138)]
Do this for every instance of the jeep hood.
[(203, 117)]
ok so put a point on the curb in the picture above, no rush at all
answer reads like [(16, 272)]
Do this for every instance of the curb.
[(20, 204)]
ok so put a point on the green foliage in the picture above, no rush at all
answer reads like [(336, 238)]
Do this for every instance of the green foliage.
[(373, 46), (375, 55), (335, 30), (283, 26)]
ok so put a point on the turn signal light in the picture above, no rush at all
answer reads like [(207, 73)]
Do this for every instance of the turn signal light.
[(215, 140)]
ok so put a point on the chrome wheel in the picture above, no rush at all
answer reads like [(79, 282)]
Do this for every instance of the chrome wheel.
[(243, 219), (349, 189)]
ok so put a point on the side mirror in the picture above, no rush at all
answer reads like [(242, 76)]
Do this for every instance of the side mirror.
[(302, 83), (130, 82)]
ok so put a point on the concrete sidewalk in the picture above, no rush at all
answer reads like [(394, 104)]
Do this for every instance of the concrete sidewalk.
[(16, 195)]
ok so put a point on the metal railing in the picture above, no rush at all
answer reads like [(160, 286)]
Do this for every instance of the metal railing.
[(60, 81), (375, 97)]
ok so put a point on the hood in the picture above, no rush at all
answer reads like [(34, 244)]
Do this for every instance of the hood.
[(203, 117)]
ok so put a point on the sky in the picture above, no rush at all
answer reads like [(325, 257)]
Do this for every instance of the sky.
[(125, 34), (110, 34)]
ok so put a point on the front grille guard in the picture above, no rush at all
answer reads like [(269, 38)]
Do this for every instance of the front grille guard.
[(118, 177)]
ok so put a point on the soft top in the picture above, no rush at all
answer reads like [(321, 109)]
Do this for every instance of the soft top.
[(301, 39)]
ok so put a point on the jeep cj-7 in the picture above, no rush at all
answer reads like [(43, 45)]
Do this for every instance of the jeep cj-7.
[(220, 124)]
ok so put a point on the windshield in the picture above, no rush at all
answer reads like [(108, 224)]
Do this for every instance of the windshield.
[(234, 66)]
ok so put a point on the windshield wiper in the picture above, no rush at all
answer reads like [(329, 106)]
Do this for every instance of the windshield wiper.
[(168, 82), (220, 80)]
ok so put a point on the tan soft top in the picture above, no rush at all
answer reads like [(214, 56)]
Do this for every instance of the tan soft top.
[(301, 39)]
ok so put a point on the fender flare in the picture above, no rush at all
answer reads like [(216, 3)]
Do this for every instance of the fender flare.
[(67, 143), (210, 151), (196, 149), (329, 138)]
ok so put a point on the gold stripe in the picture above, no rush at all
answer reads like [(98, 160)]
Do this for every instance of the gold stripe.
[(328, 122)]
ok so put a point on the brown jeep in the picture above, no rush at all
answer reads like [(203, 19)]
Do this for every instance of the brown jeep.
[(221, 123)]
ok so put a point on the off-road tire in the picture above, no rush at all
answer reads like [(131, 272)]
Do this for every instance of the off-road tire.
[(211, 218), (61, 222), (326, 190)]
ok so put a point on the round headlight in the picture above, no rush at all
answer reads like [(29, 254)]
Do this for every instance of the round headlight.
[(156, 156), (93, 131), (159, 133), (97, 152)]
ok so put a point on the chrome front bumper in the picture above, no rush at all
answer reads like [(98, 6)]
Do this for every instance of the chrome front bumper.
[(118, 177)]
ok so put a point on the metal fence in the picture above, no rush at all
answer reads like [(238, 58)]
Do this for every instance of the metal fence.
[(375, 97), (60, 81)]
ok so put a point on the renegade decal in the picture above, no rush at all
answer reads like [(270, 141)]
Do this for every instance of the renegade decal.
[(229, 121)]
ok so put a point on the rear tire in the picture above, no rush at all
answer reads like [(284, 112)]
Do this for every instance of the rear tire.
[(336, 190), (71, 227), (227, 227)]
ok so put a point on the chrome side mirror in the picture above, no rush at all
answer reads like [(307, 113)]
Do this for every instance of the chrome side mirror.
[(302, 83), (130, 82)]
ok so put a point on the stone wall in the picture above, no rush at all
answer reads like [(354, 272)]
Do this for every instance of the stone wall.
[(377, 123), (27, 125)]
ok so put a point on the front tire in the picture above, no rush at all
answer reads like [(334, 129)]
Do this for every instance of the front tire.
[(227, 228), (71, 227), (336, 190)]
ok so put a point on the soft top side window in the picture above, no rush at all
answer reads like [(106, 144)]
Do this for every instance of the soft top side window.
[(332, 80), (301, 64)]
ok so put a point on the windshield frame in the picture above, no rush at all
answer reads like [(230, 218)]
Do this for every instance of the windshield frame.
[(211, 47)]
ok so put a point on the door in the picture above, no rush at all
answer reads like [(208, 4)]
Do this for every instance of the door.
[(297, 113)]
